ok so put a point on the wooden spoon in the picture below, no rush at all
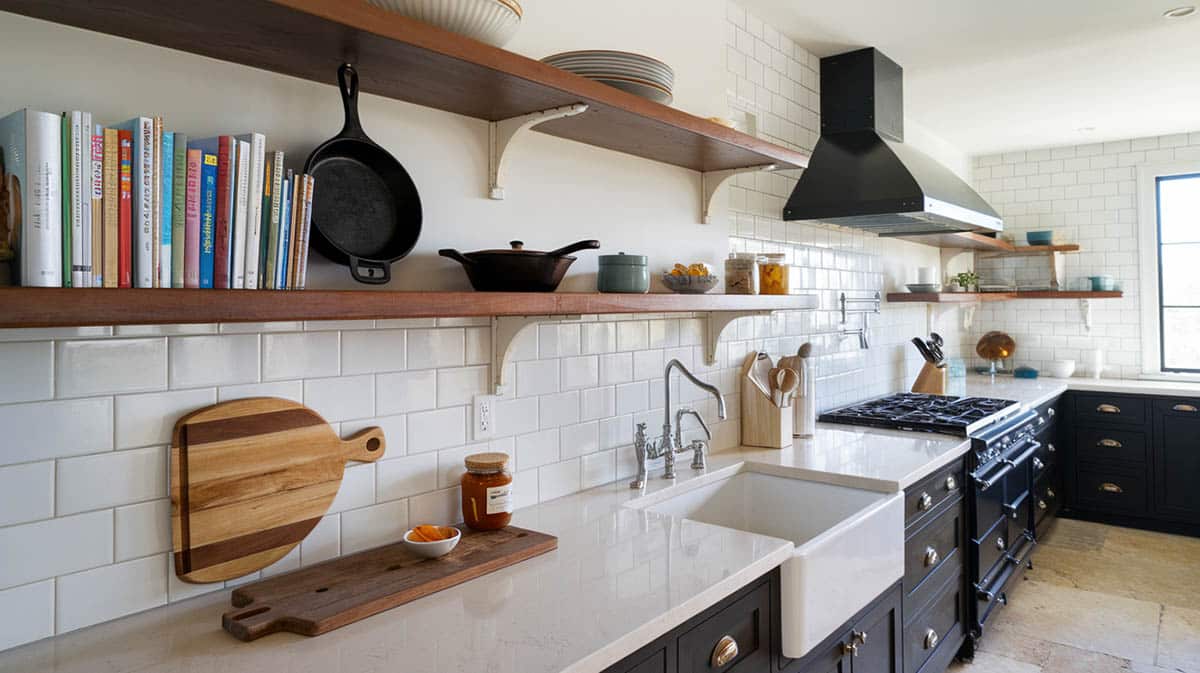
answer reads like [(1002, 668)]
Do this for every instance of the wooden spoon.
[(789, 381)]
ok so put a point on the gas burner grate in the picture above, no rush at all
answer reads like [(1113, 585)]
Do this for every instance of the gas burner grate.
[(914, 411)]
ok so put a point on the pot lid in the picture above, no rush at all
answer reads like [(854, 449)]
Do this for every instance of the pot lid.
[(621, 259), (518, 249)]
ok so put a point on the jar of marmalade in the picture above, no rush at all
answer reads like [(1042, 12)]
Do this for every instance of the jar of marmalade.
[(487, 498)]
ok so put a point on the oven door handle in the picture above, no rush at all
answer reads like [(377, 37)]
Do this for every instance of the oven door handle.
[(1014, 562), (1007, 465)]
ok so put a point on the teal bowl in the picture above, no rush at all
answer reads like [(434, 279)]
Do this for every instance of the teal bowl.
[(1039, 237)]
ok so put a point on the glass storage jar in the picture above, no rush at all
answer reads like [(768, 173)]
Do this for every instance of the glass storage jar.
[(487, 498), (741, 273), (773, 274)]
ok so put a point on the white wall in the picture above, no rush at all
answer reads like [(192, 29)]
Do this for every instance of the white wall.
[(84, 532), (1086, 194)]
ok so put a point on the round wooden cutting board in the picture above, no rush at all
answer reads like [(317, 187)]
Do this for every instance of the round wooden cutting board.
[(250, 479)]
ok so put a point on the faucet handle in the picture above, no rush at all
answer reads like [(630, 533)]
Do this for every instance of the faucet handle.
[(698, 462), (640, 434)]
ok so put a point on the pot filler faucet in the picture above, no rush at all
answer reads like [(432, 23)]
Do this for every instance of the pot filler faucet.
[(667, 445)]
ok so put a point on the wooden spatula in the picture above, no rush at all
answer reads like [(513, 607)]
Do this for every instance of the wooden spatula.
[(249, 479)]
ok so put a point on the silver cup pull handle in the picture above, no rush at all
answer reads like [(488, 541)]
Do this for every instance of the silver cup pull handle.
[(1185, 408)]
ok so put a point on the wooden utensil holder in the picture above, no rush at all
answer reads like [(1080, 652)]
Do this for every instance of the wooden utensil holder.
[(931, 380), (763, 423)]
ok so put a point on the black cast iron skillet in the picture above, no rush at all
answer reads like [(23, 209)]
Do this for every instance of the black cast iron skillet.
[(518, 269), (366, 211)]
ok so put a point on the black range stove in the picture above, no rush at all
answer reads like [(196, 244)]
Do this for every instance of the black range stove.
[(961, 416)]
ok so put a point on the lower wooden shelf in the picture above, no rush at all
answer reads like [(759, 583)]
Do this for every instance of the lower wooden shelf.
[(67, 307), (972, 297)]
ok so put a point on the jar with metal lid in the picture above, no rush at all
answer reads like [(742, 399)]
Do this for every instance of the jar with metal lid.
[(623, 273), (741, 273), (773, 274), (487, 498)]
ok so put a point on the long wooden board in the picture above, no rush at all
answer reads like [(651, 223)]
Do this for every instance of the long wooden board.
[(249, 479), (329, 595)]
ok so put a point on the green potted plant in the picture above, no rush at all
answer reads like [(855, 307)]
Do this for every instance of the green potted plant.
[(963, 282)]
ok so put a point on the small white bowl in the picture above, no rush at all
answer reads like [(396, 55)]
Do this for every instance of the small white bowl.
[(492, 21), (1062, 369), (432, 549)]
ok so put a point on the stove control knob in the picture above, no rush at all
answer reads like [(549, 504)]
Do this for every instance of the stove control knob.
[(931, 557), (925, 502), (1038, 464), (931, 639), (951, 483), (1049, 493), (1051, 412), (1000, 543), (1042, 504), (1050, 447), (1041, 421)]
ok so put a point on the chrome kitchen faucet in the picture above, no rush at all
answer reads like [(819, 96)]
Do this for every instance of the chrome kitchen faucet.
[(667, 445)]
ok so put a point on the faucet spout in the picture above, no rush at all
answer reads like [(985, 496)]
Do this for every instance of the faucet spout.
[(707, 387)]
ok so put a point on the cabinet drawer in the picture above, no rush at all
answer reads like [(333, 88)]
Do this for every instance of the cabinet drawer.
[(1178, 406), (941, 621), (991, 548), (928, 494), (931, 553), (1120, 490), (1110, 444), (745, 623), (1105, 408), (1048, 454), (1046, 498)]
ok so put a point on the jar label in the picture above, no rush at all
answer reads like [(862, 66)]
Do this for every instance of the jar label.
[(499, 499)]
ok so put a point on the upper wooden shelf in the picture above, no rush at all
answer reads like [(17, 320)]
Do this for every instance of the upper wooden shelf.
[(963, 241), (68, 307), (411, 61), (972, 297)]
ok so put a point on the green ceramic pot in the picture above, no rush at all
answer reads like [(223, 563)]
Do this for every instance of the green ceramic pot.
[(624, 273)]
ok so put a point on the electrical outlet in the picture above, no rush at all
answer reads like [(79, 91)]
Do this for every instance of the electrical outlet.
[(485, 416)]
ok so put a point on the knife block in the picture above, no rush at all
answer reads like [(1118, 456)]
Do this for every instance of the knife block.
[(931, 380), (763, 423)]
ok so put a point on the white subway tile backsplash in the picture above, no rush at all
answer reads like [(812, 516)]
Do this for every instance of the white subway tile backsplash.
[(107, 366), (288, 390), (437, 507), (537, 377), (288, 563), (537, 448), (599, 337), (105, 593), (558, 479), (43, 430), (632, 397), (28, 371), (373, 526), (26, 614), (406, 391), (357, 489), (579, 439), (597, 403), (144, 420), (37, 551), (341, 398), (478, 345), (142, 529), (300, 355), (632, 335), (460, 385), (198, 361), (110, 479), (580, 372), (514, 417), (433, 430), (403, 477), (26, 492), (436, 348), (558, 340), (395, 432), (616, 368), (559, 409), (323, 542), (371, 351), (597, 469)]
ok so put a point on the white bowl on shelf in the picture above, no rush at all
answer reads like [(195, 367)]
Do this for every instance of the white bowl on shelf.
[(1062, 369), (492, 21), (432, 549)]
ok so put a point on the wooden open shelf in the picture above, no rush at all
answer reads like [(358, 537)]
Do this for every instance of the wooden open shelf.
[(962, 241), (972, 297), (1018, 250), (68, 307), (411, 61)]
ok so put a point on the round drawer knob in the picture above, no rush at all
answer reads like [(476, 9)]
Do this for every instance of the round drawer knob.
[(1000, 543), (725, 651), (925, 502), (931, 557), (1050, 447), (1049, 493), (931, 639), (1042, 504), (1051, 412), (859, 637), (951, 483)]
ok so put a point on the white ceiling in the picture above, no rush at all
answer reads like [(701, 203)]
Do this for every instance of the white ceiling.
[(994, 75)]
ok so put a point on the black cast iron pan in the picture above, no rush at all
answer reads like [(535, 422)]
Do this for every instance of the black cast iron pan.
[(518, 269), (366, 210)]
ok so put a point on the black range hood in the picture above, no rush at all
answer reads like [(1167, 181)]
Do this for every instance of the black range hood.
[(861, 173)]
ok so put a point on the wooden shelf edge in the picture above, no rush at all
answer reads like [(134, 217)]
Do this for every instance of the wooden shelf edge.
[(962, 241), (68, 307), (1019, 250), (971, 297)]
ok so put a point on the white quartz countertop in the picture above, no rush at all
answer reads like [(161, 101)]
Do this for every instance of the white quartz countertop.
[(619, 578), (1032, 392)]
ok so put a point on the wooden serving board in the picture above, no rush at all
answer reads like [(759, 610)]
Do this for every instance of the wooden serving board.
[(329, 595), (249, 479)]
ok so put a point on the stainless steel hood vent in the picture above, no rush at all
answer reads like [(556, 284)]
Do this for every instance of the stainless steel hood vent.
[(862, 175)]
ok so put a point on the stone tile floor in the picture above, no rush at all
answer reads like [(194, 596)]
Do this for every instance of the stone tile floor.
[(1099, 599)]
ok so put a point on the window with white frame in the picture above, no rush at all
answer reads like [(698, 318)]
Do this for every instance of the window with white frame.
[(1170, 253)]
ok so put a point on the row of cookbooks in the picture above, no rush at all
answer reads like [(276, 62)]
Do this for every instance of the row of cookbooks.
[(132, 205)]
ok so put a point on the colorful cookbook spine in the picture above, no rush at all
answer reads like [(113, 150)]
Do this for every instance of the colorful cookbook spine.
[(111, 206), (142, 129), (241, 213), (166, 203), (30, 199), (156, 207), (265, 227), (178, 209), (65, 146), (125, 210), (191, 233), (276, 209), (254, 197), (208, 208), (97, 263), (77, 192), (297, 224), (285, 223), (302, 276), (226, 154)]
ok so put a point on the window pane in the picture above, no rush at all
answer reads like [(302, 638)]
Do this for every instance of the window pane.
[(1181, 274), (1179, 209), (1181, 339)]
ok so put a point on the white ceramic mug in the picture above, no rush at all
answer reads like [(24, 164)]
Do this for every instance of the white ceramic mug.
[(927, 274)]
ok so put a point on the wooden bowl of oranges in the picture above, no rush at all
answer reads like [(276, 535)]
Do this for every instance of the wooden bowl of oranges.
[(691, 279)]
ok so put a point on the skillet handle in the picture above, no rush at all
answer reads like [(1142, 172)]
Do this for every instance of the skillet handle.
[(348, 85), (383, 269), (574, 247), (456, 256)]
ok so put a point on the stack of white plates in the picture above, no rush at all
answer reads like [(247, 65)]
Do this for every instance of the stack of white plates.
[(491, 21), (639, 75)]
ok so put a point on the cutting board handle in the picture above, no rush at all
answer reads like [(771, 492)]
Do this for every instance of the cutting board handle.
[(253, 621), (365, 446)]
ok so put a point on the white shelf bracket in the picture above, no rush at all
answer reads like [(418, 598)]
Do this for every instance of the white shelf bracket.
[(715, 323), (505, 330), (711, 181), (502, 133), (934, 313), (1085, 313)]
